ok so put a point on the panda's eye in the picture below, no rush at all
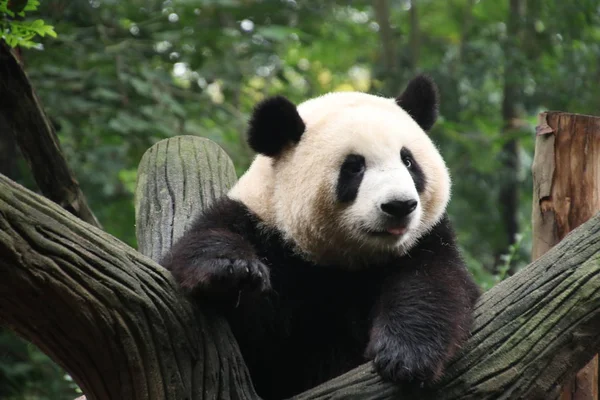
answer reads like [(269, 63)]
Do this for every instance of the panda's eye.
[(354, 164), (407, 158)]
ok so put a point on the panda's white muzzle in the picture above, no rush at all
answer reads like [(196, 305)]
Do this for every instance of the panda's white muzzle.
[(387, 204)]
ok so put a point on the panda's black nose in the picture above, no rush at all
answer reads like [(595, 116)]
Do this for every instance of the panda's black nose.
[(399, 208)]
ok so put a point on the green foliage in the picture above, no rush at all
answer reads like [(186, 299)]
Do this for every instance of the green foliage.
[(124, 74), (18, 32), (26, 373)]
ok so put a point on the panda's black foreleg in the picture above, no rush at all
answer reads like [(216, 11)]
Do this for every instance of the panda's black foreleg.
[(214, 256), (422, 318)]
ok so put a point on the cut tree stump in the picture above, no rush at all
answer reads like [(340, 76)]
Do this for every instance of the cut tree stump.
[(566, 180), (177, 178), (117, 323)]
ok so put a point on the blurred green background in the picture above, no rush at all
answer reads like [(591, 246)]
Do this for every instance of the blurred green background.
[(122, 75)]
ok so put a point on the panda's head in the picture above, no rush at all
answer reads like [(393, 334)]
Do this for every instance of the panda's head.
[(347, 175)]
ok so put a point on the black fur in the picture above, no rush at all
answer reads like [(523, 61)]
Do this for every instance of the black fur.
[(275, 123), (420, 99), (408, 315), (350, 177), (415, 170)]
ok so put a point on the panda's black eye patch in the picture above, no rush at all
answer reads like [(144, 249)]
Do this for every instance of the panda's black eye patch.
[(354, 164), (350, 176), (413, 167)]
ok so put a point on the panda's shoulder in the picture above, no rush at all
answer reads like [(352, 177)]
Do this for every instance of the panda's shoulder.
[(241, 219), (227, 207), (230, 214)]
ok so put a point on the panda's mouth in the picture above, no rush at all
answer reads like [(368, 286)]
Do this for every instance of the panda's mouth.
[(392, 231)]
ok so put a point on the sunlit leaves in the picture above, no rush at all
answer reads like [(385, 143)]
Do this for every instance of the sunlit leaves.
[(16, 31)]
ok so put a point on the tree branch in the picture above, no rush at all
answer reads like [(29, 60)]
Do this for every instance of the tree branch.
[(115, 321), (36, 138), (109, 316)]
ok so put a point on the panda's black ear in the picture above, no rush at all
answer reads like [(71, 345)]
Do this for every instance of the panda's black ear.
[(275, 123), (420, 100)]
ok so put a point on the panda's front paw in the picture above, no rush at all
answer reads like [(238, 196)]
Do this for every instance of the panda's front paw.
[(223, 275), (398, 361)]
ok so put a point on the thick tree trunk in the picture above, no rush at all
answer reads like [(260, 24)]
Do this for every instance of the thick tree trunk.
[(566, 173), (33, 132), (116, 322)]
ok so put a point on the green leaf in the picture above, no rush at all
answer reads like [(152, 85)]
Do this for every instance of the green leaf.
[(47, 30), (32, 5)]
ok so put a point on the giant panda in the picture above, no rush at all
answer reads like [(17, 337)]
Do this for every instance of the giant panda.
[(334, 248)]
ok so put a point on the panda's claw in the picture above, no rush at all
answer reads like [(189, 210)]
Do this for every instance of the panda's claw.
[(223, 275)]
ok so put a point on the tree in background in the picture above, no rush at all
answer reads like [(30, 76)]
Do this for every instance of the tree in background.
[(122, 75)]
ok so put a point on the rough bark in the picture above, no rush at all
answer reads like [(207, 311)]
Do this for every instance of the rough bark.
[(35, 136), (566, 172), (115, 321), (108, 315), (176, 179)]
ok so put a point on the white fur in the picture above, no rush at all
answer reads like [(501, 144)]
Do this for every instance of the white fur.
[(295, 192)]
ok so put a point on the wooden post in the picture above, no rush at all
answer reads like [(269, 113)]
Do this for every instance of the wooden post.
[(566, 193), (177, 179)]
